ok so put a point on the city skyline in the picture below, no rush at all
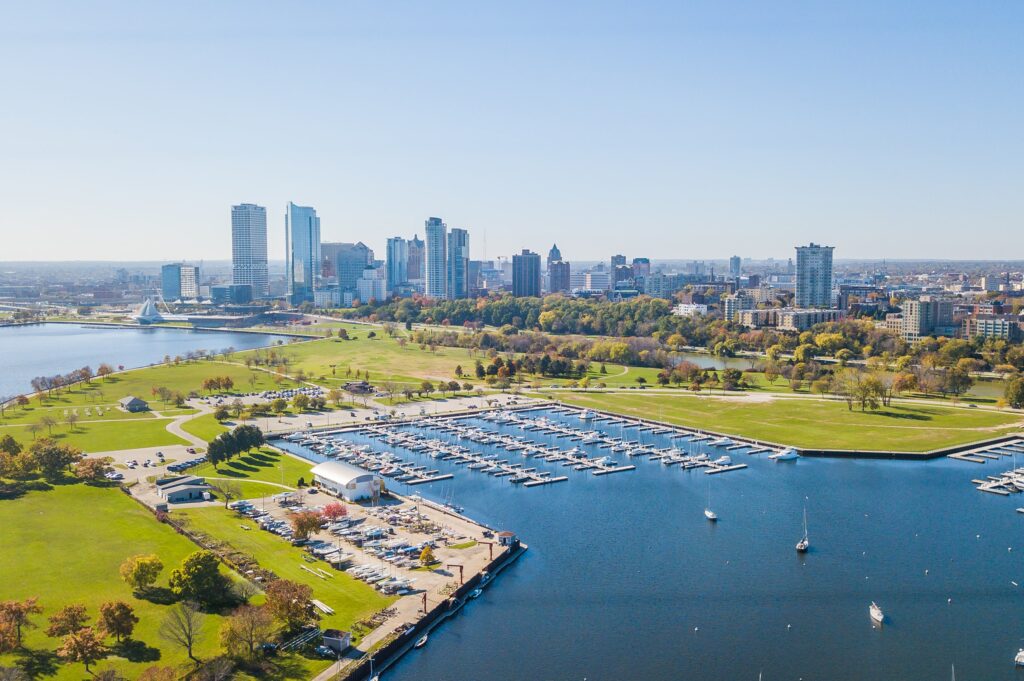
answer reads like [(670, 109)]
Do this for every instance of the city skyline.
[(667, 129)]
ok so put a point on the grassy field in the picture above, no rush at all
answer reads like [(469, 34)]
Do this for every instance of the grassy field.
[(205, 427), (811, 423), (260, 473), (105, 436), (351, 599), (64, 546)]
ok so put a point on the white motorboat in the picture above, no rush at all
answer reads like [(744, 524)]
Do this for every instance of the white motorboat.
[(805, 542), (787, 454), (420, 643), (1018, 660), (587, 415), (475, 593), (877, 616), (721, 442), (723, 461)]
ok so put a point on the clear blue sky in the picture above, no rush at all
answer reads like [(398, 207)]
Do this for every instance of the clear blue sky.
[(672, 129)]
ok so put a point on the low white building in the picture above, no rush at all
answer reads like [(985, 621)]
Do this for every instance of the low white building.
[(347, 481)]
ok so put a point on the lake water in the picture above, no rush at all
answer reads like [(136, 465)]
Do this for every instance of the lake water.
[(626, 579), (49, 349)]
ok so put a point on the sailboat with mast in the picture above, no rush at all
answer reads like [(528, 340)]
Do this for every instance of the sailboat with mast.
[(805, 542), (708, 513)]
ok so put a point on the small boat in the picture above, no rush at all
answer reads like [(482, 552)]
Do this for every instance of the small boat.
[(804, 543), (587, 415), (877, 616), (420, 643), (787, 454), (708, 513), (475, 593), (1018, 660)]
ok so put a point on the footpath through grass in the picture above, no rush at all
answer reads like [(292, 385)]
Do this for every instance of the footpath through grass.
[(811, 423)]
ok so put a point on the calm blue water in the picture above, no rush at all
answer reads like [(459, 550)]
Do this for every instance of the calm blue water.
[(625, 579), (48, 349)]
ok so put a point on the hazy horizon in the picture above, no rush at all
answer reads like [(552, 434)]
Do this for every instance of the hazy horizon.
[(889, 132)]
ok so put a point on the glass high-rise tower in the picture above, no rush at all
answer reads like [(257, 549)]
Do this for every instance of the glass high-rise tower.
[(249, 247), (458, 264), (437, 258), (302, 251)]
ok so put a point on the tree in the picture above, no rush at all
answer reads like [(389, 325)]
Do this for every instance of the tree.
[(71, 419), (54, 459), (94, 469), (117, 619), (141, 571), (67, 620), (305, 523), (1014, 393), (104, 370), (16, 615), (159, 674), (83, 646), (48, 422), (199, 579), (8, 445), (245, 630), (229, 489), (427, 556), (182, 626), (221, 413), (334, 511), (278, 405), (301, 402), (288, 602)]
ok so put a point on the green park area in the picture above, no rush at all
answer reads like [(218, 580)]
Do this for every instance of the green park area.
[(64, 546), (260, 473), (811, 423)]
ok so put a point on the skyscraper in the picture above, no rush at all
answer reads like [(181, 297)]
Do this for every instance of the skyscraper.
[(526, 274), (397, 262), (641, 267), (813, 276), (735, 266), (352, 259), (416, 253), (458, 264), (249, 247), (437, 258), (302, 252), (554, 255), (559, 274), (616, 261), (170, 281)]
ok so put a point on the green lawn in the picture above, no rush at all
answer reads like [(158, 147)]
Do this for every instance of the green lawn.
[(811, 423), (65, 546), (252, 470), (351, 599), (205, 427), (105, 436)]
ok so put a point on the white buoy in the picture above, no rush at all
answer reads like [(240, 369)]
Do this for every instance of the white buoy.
[(926, 571), (949, 600), (695, 628)]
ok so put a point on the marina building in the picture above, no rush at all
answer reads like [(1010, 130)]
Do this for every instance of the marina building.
[(347, 481)]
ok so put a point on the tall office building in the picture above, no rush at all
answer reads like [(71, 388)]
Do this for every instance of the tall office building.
[(249, 248), (179, 281), (526, 274), (417, 250), (436, 269), (554, 255), (397, 262), (458, 264), (559, 276), (302, 252), (350, 261), (616, 261), (641, 267), (813, 276), (735, 266)]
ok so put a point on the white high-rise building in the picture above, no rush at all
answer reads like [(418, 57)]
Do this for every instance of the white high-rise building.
[(249, 247), (189, 281), (813, 276), (437, 259)]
